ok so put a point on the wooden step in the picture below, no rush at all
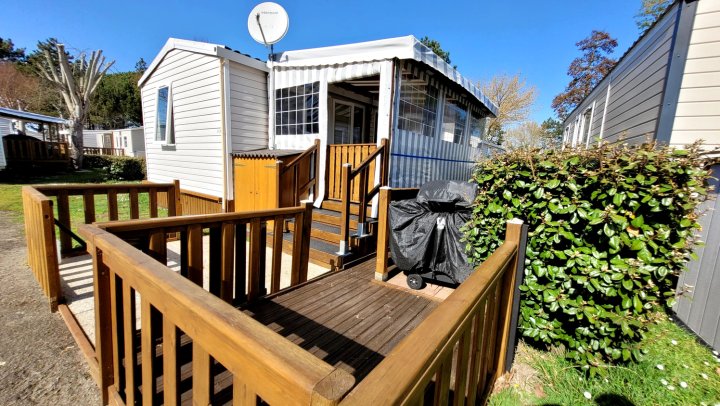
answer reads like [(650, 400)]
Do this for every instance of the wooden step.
[(336, 205), (332, 218), (321, 231)]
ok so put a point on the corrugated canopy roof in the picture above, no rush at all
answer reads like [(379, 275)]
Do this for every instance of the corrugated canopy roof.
[(407, 47), (34, 117)]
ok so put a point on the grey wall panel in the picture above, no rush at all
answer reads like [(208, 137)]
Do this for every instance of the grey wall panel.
[(701, 309)]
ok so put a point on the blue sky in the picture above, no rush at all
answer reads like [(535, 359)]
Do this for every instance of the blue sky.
[(535, 38)]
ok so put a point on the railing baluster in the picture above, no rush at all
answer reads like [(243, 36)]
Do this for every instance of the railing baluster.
[(240, 265), (128, 296), (158, 246), (112, 205), (277, 248), (227, 264), (461, 367), (134, 207), (195, 254), (254, 270), (215, 260), (153, 202), (242, 394), (147, 348), (63, 208), (89, 206), (171, 370), (345, 210), (201, 376)]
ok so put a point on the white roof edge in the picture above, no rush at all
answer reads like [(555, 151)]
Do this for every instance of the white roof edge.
[(218, 50), (407, 47), (8, 113)]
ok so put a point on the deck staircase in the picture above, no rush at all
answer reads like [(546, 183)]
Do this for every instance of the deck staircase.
[(325, 233)]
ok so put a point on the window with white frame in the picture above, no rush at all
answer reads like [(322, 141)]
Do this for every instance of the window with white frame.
[(164, 131), (418, 106), (454, 120), (477, 130), (586, 127), (297, 109)]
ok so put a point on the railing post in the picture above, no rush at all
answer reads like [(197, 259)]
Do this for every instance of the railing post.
[(381, 261), (316, 164), (346, 192), (362, 207), (385, 161), (175, 201), (515, 233)]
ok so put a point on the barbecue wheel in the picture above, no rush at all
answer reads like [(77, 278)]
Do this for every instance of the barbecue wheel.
[(415, 281)]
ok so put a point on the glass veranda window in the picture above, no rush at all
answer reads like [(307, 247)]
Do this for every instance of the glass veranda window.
[(453, 127), (418, 104), (477, 130), (164, 129)]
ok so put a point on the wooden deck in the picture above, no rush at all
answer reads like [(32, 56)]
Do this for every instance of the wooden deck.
[(347, 319)]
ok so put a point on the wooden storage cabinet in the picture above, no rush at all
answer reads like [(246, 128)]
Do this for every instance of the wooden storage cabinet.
[(256, 179)]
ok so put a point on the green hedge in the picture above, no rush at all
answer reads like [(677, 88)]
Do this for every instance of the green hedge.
[(609, 231), (117, 167)]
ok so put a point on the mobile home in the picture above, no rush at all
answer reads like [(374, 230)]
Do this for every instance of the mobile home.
[(202, 103)]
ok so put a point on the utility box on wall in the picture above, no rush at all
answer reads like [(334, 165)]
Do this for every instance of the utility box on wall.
[(257, 179)]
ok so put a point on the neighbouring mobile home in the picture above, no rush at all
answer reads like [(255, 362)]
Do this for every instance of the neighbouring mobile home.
[(666, 88)]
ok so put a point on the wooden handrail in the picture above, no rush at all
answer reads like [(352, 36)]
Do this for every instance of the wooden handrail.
[(294, 166), (348, 175), (461, 344), (262, 362), (78, 189)]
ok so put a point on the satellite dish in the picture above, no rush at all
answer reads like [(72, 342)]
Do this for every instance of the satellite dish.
[(268, 23)]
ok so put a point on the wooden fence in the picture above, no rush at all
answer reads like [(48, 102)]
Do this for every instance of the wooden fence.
[(456, 353), (103, 151), (29, 152), (194, 202), (174, 309), (340, 154), (41, 248), (41, 219)]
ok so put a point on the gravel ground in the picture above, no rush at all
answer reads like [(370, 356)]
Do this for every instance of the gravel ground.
[(40, 364)]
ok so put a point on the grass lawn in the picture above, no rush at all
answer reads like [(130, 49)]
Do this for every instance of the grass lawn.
[(677, 370), (11, 197)]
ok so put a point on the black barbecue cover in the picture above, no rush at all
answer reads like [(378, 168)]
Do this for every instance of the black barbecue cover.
[(425, 232)]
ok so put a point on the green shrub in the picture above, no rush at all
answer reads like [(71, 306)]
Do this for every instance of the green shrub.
[(610, 229), (117, 167)]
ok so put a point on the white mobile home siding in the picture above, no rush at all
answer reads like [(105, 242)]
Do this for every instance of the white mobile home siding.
[(698, 109), (196, 158), (248, 96), (635, 89), (5, 128)]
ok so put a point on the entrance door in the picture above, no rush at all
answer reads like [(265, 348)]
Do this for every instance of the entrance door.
[(348, 123)]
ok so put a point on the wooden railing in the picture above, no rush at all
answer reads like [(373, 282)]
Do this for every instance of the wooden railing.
[(41, 248), (180, 321), (340, 154), (364, 178), (301, 173), (456, 353), (103, 151), (41, 219), (110, 191), (28, 151)]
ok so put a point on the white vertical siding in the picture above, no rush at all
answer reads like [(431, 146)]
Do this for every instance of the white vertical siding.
[(635, 89), (196, 157), (248, 98), (4, 130), (698, 110)]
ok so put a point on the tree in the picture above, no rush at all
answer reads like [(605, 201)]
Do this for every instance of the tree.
[(116, 102), (586, 71), (514, 99), (76, 84), (50, 101), (437, 49), (141, 66), (552, 133), (19, 90), (649, 12), (8, 52), (526, 135)]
